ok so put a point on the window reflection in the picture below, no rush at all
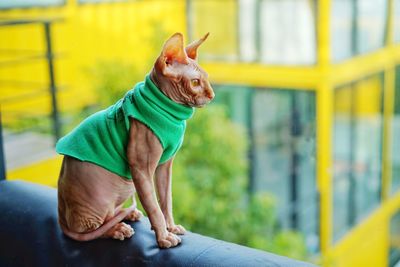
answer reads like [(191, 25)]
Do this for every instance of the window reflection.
[(357, 152), (342, 181), (267, 31), (367, 145), (396, 13), (395, 136), (236, 100), (287, 32), (281, 127), (371, 25), (357, 27), (341, 29), (29, 3)]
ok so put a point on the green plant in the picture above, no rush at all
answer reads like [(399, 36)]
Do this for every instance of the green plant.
[(34, 123), (112, 80)]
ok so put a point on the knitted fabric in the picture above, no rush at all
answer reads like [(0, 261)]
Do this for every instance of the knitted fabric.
[(102, 138)]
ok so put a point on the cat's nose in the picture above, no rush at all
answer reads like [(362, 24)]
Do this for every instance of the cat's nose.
[(210, 94)]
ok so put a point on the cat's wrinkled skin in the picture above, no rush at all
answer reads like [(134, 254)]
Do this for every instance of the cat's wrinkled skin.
[(91, 197), (175, 74)]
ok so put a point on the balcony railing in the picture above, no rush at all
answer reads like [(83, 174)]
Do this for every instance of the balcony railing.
[(49, 88)]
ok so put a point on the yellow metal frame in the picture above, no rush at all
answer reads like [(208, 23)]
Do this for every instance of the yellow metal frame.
[(323, 78)]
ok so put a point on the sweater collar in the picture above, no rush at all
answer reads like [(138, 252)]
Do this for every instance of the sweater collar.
[(154, 95)]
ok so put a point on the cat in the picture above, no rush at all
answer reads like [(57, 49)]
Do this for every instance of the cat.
[(117, 151)]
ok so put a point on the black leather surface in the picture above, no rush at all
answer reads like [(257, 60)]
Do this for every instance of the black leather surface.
[(30, 236)]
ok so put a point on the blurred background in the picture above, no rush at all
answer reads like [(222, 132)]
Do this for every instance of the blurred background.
[(297, 155)]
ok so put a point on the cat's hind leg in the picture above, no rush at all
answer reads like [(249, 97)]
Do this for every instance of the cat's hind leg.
[(90, 202), (136, 214), (86, 227), (120, 231)]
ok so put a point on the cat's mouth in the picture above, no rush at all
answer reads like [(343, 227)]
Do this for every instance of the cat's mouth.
[(201, 102)]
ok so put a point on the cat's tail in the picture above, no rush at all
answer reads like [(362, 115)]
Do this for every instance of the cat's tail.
[(99, 232)]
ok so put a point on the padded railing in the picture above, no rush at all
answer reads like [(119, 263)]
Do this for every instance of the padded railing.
[(31, 236)]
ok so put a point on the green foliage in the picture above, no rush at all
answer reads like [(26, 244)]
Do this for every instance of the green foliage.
[(288, 243), (210, 188), (39, 123), (112, 80), (210, 176)]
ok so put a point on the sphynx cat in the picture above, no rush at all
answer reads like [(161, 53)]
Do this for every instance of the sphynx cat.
[(91, 197)]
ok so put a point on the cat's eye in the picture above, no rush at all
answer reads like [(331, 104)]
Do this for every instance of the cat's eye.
[(195, 82)]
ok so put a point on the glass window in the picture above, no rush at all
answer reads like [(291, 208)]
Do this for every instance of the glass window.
[(248, 30), (357, 27), (342, 139), (283, 135), (287, 32), (281, 126), (367, 161), (397, 21), (371, 25), (395, 135), (268, 31), (28, 3), (357, 152), (341, 29), (236, 100), (394, 245)]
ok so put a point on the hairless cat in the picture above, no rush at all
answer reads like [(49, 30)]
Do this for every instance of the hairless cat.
[(118, 151)]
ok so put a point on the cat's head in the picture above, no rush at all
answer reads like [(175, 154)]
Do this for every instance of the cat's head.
[(177, 73)]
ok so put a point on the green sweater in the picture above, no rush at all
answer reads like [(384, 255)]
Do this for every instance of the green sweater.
[(102, 138)]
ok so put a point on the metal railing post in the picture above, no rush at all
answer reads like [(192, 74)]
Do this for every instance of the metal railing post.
[(53, 89)]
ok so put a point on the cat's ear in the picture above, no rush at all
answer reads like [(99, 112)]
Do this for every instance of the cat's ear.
[(173, 50), (191, 49)]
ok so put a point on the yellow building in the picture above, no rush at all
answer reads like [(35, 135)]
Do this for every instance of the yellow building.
[(316, 83)]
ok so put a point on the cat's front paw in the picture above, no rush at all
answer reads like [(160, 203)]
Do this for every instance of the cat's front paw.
[(168, 240), (177, 229)]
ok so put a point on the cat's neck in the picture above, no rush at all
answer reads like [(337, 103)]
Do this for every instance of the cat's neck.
[(165, 87)]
